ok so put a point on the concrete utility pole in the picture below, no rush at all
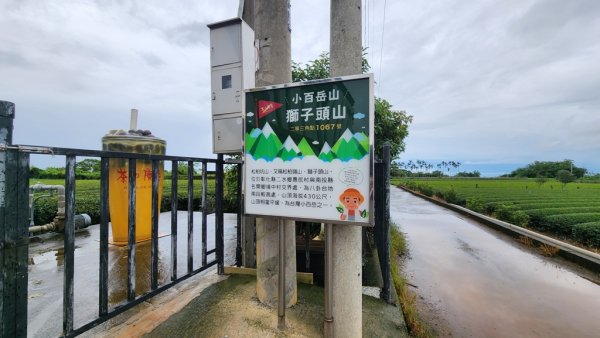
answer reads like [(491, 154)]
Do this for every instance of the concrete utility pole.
[(248, 222), (271, 28), (346, 59)]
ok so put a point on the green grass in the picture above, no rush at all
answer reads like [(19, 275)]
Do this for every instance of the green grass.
[(92, 187), (550, 207), (87, 198), (408, 300)]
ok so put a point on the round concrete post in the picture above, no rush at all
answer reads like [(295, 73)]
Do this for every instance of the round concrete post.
[(346, 59), (271, 28)]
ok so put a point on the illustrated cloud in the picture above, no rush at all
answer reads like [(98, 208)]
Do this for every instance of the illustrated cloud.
[(359, 115)]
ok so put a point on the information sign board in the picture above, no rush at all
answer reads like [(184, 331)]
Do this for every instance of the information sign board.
[(308, 150)]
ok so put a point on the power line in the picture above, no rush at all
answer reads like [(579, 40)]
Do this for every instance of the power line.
[(381, 51), (367, 28), (371, 11), (365, 23)]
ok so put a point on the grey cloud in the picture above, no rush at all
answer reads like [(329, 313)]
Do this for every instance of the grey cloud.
[(545, 19), (151, 59), (14, 59), (83, 49), (193, 33)]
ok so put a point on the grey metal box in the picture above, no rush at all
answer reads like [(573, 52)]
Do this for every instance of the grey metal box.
[(227, 134), (233, 64)]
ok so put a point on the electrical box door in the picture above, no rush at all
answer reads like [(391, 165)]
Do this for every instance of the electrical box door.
[(227, 90), (225, 45), (225, 134)]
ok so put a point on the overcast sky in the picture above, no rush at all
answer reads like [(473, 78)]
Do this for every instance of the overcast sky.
[(491, 83)]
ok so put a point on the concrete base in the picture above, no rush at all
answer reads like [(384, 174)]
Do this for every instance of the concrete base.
[(230, 309), (301, 277)]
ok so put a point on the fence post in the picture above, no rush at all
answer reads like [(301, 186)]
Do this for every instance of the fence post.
[(219, 215), (240, 214), (385, 252), (382, 221), (14, 240)]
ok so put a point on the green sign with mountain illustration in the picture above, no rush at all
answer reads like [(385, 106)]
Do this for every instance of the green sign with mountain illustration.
[(328, 120), (293, 129)]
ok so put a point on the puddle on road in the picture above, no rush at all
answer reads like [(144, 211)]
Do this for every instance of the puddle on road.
[(46, 270), (478, 282)]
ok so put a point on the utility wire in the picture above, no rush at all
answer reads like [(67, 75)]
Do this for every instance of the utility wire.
[(365, 23), (367, 28), (381, 51), (372, 5)]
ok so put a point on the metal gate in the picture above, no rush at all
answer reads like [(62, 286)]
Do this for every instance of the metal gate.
[(14, 223)]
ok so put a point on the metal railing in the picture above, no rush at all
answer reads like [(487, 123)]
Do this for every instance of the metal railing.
[(14, 241), (104, 313)]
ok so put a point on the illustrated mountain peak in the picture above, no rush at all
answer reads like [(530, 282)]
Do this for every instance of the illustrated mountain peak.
[(360, 136), (326, 154), (363, 140), (266, 145), (289, 144), (348, 147), (326, 149), (347, 135), (255, 132), (305, 148), (267, 130)]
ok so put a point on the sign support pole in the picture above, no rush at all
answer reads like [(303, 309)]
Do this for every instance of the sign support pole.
[(328, 320), (346, 59), (281, 279)]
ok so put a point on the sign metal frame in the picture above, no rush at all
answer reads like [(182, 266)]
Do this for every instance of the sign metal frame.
[(369, 222)]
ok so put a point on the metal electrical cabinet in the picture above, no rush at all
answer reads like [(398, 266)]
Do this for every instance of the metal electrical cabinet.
[(232, 66)]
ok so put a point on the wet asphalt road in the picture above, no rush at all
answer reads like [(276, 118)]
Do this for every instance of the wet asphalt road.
[(46, 273), (472, 281)]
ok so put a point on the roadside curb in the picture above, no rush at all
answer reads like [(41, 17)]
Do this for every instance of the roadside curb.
[(575, 254)]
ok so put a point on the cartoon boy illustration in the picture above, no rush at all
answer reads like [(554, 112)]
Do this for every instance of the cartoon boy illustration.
[(351, 199)]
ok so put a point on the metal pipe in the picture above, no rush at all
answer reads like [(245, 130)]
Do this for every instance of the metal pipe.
[(42, 228), (281, 275), (81, 221), (32, 201), (307, 245), (59, 220), (328, 321), (61, 195), (58, 224), (31, 223)]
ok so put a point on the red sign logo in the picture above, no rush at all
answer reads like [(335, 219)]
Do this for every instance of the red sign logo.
[(267, 107)]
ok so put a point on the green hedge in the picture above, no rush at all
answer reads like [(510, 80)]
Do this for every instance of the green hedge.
[(538, 216), (512, 214), (45, 209), (587, 233), (563, 224)]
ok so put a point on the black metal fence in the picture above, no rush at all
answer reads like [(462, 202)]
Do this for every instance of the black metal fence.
[(14, 239), (382, 221)]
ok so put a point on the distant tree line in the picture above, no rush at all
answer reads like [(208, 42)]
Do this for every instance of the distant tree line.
[(421, 168), (89, 169), (549, 169)]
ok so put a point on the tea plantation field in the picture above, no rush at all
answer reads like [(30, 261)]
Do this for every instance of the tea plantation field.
[(569, 212), (87, 198)]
